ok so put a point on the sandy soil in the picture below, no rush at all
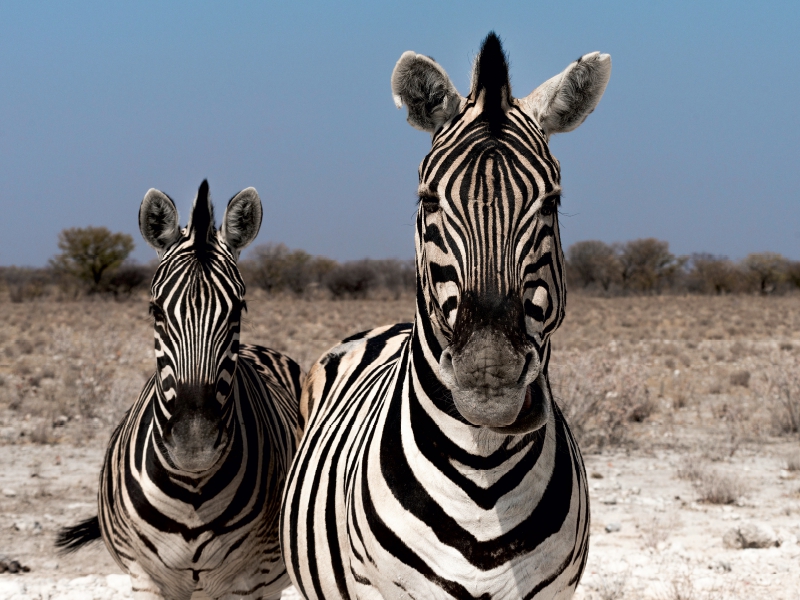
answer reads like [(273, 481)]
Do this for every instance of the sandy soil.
[(656, 531), (668, 545)]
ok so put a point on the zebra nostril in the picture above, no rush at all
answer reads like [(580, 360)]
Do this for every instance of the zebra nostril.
[(446, 370)]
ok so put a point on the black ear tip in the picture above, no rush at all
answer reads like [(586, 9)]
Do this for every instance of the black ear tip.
[(492, 39), (203, 191), (492, 47)]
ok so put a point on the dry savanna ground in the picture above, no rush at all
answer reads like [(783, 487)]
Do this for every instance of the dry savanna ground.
[(686, 408)]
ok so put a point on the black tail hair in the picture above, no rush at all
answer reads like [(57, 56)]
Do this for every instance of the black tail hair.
[(491, 76), (72, 538)]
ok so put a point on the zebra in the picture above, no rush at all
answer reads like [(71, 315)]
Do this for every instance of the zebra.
[(434, 462), (190, 489)]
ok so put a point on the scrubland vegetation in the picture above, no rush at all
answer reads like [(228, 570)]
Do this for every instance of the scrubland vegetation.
[(94, 262)]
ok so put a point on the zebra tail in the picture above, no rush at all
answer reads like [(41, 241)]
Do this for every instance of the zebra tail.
[(72, 538)]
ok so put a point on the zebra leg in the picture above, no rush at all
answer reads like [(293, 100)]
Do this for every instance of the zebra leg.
[(144, 588)]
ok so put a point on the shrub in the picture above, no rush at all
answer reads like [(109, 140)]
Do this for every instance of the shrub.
[(353, 279), (593, 263), (600, 397), (25, 283), (646, 265), (709, 274), (274, 268), (768, 269), (740, 378), (712, 487), (129, 278), (395, 276)]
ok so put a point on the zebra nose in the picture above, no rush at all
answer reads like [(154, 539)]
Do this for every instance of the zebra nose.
[(489, 379), (488, 360)]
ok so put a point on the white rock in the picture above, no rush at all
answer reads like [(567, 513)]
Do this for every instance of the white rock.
[(786, 538), (82, 582), (120, 583), (8, 492), (10, 589)]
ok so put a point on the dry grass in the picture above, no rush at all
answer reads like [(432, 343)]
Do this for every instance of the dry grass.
[(712, 486), (69, 370), (628, 371), (793, 461)]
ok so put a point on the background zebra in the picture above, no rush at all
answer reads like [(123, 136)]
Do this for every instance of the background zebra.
[(435, 463), (190, 490)]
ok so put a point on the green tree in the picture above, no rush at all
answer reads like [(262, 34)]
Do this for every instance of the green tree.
[(91, 254)]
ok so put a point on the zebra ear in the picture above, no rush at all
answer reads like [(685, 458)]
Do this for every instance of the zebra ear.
[(425, 88), (158, 220), (562, 103), (242, 219)]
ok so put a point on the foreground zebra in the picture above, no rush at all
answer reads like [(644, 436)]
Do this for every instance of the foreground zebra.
[(190, 489), (435, 463)]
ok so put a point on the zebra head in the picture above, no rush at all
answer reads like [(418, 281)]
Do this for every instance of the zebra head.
[(197, 299), (490, 268)]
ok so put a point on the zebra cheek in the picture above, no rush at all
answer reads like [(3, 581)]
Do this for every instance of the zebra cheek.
[(535, 310)]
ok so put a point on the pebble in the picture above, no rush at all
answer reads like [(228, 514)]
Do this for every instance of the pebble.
[(9, 493), (613, 527)]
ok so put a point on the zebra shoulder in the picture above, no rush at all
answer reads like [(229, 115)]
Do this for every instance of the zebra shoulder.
[(357, 353)]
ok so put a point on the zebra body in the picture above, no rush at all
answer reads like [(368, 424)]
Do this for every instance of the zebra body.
[(190, 489), (176, 532), (434, 462)]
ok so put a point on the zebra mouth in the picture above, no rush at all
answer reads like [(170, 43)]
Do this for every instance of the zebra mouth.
[(534, 412)]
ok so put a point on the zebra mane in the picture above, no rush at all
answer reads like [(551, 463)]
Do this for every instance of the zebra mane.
[(491, 76), (201, 223)]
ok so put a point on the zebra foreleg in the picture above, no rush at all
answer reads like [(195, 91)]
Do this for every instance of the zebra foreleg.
[(145, 587)]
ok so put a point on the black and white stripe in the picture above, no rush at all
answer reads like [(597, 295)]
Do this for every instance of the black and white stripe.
[(435, 463), (190, 489)]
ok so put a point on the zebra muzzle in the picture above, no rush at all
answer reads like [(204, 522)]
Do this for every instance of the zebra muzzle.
[(493, 385), (195, 435)]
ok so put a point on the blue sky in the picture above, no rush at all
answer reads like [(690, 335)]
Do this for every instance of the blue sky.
[(696, 141)]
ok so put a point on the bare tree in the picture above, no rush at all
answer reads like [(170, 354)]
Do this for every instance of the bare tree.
[(593, 262), (647, 264), (275, 268), (768, 268), (710, 274)]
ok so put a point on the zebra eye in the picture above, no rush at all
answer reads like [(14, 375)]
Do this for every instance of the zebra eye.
[(430, 204), (156, 312), (550, 205)]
